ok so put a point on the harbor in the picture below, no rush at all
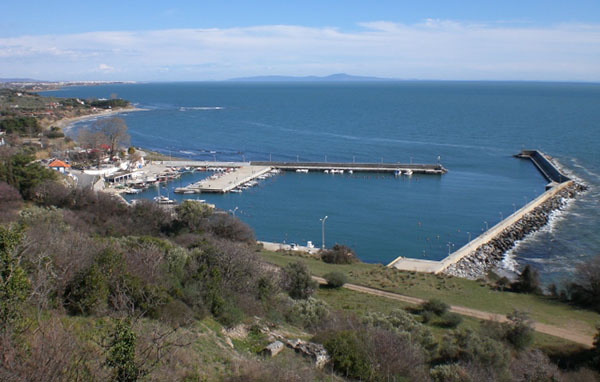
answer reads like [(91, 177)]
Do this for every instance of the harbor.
[(235, 176), (484, 252)]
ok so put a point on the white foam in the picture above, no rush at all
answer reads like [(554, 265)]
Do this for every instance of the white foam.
[(509, 261), (201, 108)]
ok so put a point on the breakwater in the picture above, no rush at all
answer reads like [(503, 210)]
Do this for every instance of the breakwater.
[(356, 167), (489, 254), (483, 253)]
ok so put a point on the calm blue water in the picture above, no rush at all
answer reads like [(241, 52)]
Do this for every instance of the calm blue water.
[(474, 126)]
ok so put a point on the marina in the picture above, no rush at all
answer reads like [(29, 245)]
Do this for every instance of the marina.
[(235, 176)]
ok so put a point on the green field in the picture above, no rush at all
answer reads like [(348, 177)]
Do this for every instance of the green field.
[(452, 290)]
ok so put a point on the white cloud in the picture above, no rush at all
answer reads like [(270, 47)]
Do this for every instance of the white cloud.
[(105, 68), (432, 49)]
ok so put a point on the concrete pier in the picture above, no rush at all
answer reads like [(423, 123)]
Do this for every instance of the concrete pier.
[(225, 181), (434, 169), (559, 183)]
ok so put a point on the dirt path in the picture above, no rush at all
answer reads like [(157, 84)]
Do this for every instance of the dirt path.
[(542, 328)]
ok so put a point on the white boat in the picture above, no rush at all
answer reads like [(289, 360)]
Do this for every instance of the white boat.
[(326, 171), (302, 170), (236, 190), (397, 172), (350, 172), (408, 172), (163, 200), (132, 191)]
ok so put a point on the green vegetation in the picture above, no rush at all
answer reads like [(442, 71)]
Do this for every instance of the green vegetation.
[(109, 103), (335, 279), (21, 126), (92, 289), (452, 290)]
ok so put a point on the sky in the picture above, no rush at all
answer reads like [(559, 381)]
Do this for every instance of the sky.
[(216, 40)]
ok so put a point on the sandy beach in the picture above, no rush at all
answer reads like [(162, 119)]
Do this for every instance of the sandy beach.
[(65, 122)]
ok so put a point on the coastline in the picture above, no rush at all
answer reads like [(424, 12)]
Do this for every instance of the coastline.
[(491, 254), (64, 123)]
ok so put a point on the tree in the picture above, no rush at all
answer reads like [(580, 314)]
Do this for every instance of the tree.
[(528, 281), (296, 280), (114, 131)]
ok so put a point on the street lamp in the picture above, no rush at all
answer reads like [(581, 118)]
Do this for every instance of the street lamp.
[(501, 216), (233, 211), (469, 233), (323, 231), (450, 245), (486, 225)]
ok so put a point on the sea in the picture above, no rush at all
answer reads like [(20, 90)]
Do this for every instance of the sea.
[(472, 128)]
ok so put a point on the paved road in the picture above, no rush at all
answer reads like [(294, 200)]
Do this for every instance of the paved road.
[(539, 327)]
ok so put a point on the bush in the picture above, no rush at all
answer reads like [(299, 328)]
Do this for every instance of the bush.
[(335, 279), (297, 281), (309, 312), (450, 320), (449, 373), (339, 254), (518, 330), (87, 293), (435, 306), (528, 281), (348, 355)]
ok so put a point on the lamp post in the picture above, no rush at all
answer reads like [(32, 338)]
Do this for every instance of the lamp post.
[(233, 211), (323, 231), (469, 233), (450, 245), (486, 225), (501, 216)]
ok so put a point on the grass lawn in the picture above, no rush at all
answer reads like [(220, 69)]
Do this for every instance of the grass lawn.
[(451, 290)]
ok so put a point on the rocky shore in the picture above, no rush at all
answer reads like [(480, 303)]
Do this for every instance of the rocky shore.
[(487, 256)]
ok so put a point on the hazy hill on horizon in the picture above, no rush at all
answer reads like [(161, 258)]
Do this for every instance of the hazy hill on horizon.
[(338, 77)]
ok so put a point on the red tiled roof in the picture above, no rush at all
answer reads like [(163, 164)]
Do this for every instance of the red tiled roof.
[(58, 163)]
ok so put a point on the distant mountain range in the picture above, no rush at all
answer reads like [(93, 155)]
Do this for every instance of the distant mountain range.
[(339, 77)]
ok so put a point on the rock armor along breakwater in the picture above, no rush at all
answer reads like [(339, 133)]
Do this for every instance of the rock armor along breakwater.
[(487, 256)]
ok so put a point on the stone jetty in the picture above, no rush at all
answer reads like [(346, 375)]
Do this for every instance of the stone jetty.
[(487, 256)]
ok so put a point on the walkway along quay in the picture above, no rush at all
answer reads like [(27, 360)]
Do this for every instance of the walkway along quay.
[(434, 169), (483, 253)]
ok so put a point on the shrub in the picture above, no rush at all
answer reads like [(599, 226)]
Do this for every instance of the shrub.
[(297, 281), (87, 293), (528, 281), (10, 202), (335, 279), (449, 373), (518, 330), (450, 320), (339, 254), (348, 355), (309, 312), (435, 306)]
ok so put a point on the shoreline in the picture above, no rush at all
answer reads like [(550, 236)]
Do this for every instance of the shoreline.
[(65, 123)]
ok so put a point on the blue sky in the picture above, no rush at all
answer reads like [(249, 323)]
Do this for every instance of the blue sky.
[(212, 40)]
